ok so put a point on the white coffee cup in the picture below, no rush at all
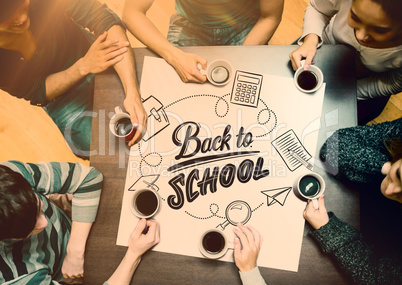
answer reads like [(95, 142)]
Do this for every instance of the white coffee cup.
[(218, 72), (119, 123), (310, 80), (145, 203), (309, 186), (213, 243)]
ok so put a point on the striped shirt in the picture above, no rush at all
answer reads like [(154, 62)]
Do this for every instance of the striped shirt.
[(38, 259)]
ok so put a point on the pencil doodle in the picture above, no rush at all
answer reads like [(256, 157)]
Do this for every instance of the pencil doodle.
[(291, 150)]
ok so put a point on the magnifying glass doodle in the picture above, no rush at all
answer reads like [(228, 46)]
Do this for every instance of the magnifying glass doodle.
[(236, 212)]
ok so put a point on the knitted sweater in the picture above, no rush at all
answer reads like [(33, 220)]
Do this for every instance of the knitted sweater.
[(355, 257), (358, 153)]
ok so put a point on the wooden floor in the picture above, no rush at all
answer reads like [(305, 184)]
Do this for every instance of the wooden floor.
[(28, 134)]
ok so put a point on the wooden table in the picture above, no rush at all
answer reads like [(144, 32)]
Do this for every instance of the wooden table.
[(110, 156)]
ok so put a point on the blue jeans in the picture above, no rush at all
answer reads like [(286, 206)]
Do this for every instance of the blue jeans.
[(184, 33), (72, 113)]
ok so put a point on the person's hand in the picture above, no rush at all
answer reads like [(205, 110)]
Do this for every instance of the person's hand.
[(391, 186), (144, 236), (247, 246), (102, 54), (186, 67), (73, 267), (307, 50), (316, 218), (139, 117), (139, 242)]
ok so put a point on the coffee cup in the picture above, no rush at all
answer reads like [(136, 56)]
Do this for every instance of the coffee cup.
[(120, 125), (145, 203), (309, 80), (310, 186), (213, 243), (218, 72)]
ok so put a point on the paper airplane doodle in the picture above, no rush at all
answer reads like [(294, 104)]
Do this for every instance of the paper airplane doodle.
[(147, 181), (278, 195)]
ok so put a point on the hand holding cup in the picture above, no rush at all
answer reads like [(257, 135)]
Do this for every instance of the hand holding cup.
[(310, 187), (218, 72), (120, 125), (308, 80), (316, 217)]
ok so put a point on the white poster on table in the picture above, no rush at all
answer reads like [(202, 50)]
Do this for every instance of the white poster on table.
[(216, 161)]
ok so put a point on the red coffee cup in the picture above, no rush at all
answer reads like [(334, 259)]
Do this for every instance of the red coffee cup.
[(121, 126)]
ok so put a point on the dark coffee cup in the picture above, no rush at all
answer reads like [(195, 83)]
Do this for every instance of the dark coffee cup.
[(145, 203), (309, 80), (213, 243), (310, 186), (123, 127), (120, 125)]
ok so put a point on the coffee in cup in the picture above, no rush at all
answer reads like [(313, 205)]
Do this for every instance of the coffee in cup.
[(218, 72), (213, 243), (145, 203), (121, 126), (309, 80), (310, 186)]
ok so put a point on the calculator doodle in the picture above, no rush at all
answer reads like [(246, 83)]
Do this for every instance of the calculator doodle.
[(246, 88)]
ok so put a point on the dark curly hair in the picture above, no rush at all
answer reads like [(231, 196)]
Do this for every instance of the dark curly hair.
[(18, 205)]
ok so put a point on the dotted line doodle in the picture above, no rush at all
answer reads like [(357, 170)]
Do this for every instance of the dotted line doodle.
[(227, 106), (266, 109), (213, 208), (259, 114), (205, 95), (139, 150), (269, 118), (153, 165), (143, 159), (256, 208)]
